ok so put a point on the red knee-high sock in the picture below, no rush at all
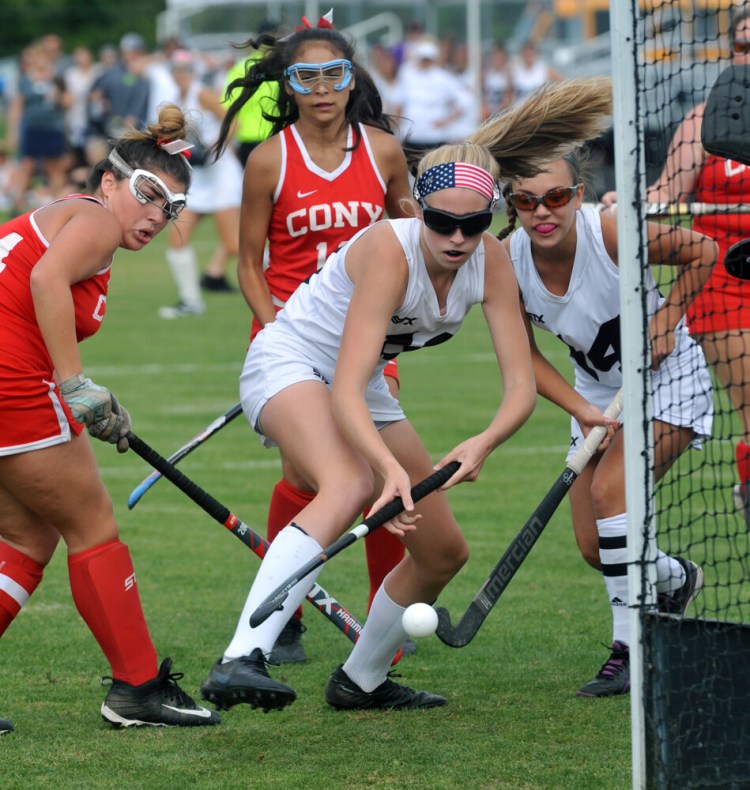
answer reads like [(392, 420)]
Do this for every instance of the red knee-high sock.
[(19, 577), (286, 502), (103, 584), (383, 551), (743, 461)]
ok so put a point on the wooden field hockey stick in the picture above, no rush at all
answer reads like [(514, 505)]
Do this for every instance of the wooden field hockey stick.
[(386, 513), (318, 597), (137, 493), (490, 592)]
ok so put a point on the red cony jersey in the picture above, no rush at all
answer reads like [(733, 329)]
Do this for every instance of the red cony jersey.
[(315, 211), (21, 344), (724, 302)]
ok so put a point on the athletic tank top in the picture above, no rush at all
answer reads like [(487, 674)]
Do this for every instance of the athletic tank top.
[(316, 211), (723, 181), (21, 343), (587, 317), (316, 312)]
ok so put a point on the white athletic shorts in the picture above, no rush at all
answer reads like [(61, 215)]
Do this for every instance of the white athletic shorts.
[(682, 396), (276, 360), (216, 186)]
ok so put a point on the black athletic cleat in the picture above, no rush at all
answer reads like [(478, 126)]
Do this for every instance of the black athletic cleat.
[(344, 694), (157, 703), (216, 284), (246, 679), (614, 676), (288, 648), (678, 601), (5, 727)]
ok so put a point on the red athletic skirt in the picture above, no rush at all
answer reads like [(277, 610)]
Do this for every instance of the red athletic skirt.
[(32, 414)]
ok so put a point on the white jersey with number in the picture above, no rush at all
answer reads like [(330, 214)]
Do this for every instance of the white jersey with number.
[(587, 319), (303, 343)]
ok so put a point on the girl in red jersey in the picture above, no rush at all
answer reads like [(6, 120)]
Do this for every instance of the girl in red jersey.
[(331, 167), (719, 318), (54, 273)]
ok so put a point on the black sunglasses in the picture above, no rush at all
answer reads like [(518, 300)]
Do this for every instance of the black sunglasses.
[(444, 223), (555, 198)]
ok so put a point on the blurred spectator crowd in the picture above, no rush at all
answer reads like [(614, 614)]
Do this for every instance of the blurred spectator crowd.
[(63, 106)]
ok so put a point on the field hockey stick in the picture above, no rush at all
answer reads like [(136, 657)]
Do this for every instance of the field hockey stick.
[(516, 553), (318, 597), (137, 493), (371, 523)]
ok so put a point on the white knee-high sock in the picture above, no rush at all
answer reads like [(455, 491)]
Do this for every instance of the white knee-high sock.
[(290, 549), (613, 553), (183, 264), (382, 636), (670, 575)]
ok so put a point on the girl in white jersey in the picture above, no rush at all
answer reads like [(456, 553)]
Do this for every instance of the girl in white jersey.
[(398, 285), (566, 263)]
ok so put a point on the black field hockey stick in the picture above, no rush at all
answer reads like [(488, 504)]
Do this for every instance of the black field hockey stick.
[(520, 547), (137, 493), (318, 597), (371, 523)]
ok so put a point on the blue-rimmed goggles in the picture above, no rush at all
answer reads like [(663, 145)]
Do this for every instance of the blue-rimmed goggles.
[(303, 77), (149, 188)]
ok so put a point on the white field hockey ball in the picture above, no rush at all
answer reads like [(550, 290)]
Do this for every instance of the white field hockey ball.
[(419, 620)]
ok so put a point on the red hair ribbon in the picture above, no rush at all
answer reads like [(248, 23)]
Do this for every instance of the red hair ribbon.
[(326, 21), (175, 146)]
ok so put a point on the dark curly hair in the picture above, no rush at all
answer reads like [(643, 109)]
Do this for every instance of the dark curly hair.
[(277, 54)]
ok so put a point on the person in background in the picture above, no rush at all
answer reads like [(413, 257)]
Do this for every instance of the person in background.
[(432, 99), (331, 167), (530, 71), (54, 278), (346, 433), (566, 262), (120, 95), (216, 191), (79, 78), (10, 180), (497, 81), (36, 125), (251, 126), (385, 76), (719, 318)]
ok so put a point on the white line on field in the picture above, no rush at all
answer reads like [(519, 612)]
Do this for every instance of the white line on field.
[(186, 368), (275, 463)]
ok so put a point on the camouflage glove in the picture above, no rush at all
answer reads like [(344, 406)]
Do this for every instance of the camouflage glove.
[(89, 402), (114, 429)]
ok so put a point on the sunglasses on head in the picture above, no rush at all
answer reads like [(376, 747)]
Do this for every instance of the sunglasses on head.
[(444, 223), (303, 77), (554, 198), (742, 47), (149, 188)]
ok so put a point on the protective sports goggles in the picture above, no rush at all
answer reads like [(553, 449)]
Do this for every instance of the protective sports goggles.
[(303, 77), (149, 188), (445, 223), (554, 198)]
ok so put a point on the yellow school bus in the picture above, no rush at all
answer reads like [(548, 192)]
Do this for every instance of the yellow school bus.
[(667, 24)]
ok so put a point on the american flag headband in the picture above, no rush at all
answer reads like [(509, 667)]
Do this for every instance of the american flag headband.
[(456, 174)]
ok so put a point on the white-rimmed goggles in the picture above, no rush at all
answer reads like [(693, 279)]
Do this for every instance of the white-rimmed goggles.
[(149, 188), (303, 77)]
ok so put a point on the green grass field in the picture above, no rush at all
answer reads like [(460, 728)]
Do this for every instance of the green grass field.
[(513, 720)]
